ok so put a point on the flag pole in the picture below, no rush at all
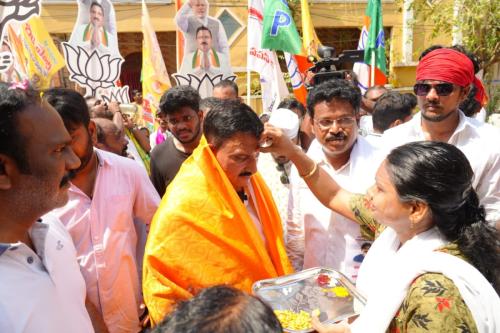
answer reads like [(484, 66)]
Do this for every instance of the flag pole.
[(248, 82), (372, 70), (248, 68)]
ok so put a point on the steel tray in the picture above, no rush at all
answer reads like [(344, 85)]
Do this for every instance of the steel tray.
[(303, 291)]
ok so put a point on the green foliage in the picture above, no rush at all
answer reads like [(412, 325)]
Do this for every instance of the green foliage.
[(478, 20), (479, 23)]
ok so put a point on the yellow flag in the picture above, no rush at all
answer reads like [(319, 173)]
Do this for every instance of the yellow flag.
[(309, 38), (154, 76), (42, 55)]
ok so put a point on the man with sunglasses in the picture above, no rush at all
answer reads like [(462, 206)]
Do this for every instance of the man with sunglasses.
[(316, 236), (444, 77)]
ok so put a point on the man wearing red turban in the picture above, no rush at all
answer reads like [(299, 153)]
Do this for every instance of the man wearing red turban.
[(444, 78)]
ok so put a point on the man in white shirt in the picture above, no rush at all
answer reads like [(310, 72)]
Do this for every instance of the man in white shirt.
[(276, 169), (443, 78), (42, 289), (316, 236), (368, 101)]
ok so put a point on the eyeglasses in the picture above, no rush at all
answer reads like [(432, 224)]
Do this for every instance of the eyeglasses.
[(442, 89), (184, 119), (326, 124)]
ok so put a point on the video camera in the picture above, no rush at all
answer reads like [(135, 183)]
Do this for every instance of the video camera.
[(326, 68)]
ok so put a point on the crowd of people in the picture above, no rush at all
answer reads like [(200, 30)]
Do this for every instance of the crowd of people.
[(108, 227)]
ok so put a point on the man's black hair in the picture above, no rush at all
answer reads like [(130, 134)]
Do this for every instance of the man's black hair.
[(429, 50), (470, 106), (70, 105), (390, 107), (178, 97), (228, 84), (228, 118), (95, 3), (291, 103), (410, 100), (341, 90), (12, 142), (201, 28), (208, 103), (221, 309)]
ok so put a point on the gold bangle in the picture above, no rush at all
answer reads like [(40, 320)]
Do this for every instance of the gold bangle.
[(312, 172)]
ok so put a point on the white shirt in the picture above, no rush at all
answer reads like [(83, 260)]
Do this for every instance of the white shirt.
[(480, 142), (317, 235), (42, 291), (375, 139), (366, 124)]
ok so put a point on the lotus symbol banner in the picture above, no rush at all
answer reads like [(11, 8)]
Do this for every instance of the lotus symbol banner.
[(95, 72), (117, 94), (204, 84)]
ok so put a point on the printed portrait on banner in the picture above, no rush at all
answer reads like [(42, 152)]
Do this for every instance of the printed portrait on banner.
[(95, 27), (206, 59), (92, 54)]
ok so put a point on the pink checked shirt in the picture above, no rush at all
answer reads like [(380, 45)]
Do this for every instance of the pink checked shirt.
[(109, 233)]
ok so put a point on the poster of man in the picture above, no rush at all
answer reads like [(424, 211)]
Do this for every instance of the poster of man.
[(194, 14), (205, 59), (95, 27)]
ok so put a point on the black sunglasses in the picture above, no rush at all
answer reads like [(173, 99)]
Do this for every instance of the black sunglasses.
[(442, 89)]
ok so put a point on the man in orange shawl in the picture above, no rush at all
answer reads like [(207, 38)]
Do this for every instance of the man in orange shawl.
[(217, 222)]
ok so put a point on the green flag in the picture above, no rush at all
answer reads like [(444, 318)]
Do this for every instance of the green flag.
[(278, 28), (376, 38)]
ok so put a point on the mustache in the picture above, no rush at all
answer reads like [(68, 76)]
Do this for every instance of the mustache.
[(245, 174), (336, 136), (67, 177), (432, 103)]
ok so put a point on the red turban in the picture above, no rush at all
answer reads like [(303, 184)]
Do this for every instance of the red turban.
[(446, 65), (480, 96)]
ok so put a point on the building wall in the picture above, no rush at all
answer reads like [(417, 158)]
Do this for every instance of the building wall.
[(334, 20)]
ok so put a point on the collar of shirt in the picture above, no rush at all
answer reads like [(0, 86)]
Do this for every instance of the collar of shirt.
[(102, 161), (464, 123), (4, 247), (318, 155), (37, 232)]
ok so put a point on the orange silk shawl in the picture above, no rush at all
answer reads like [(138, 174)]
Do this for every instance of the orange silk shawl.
[(202, 235)]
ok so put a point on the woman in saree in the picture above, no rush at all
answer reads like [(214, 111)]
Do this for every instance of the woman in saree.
[(435, 267)]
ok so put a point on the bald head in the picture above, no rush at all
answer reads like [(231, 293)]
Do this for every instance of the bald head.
[(109, 137)]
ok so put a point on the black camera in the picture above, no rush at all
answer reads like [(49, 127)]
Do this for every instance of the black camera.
[(326, 68)]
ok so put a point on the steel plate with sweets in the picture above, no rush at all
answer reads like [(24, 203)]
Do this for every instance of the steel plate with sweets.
[(315, 291)]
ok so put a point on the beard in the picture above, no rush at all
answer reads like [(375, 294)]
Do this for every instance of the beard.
[(436, 118), (193, 138), (85, 159)]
